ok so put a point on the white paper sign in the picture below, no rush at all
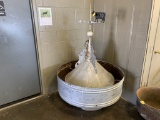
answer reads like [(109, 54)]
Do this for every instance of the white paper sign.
[(45, 16)]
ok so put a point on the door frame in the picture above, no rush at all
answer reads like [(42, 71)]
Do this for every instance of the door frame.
[(37, 44), (152, 31)]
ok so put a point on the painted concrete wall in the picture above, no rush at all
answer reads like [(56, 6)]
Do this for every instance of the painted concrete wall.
[(121, 40), (61, 42)]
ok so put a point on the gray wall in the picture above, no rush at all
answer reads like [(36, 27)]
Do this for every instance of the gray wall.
[(62, 41), (122, 38)]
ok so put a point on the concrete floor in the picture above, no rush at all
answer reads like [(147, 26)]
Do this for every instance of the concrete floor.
[(54, 108)]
